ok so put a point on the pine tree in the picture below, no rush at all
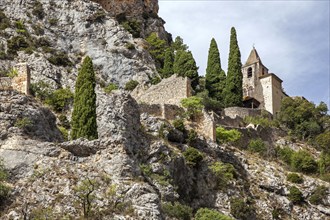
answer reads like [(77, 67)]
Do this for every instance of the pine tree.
[(179, 45), (167, 71), (84, 107), (233, 91), (215, 78), (185, 65)]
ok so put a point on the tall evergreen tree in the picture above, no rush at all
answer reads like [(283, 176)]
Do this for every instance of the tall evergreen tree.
[(233, 91), (179, 45), (215, 77), (167, 71), (185, 65), (84, 107)]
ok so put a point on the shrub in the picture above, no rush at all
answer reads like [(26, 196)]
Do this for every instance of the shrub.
[(294, 178), (285, 154), (155, 80), (16, 43), (4, 21), (177, 211), (60, 59), (257, 146), (193, 156), (64, 132), (295, 195), (40, 89), (324, 163), (132, 26), (318, 195), (53, 21), (259, 120), (209, 214), (192, 137), (111, 87), (323, 141), (302, 161), (38, 10), (4, 189), (156, 48), (60, 99), (226, 136), (23, 123), (241, 210), (64, 122), (224, 173), (179, 125), (193, 105), (131, 85)]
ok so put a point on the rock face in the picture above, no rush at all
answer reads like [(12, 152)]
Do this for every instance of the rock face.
[(77, 28), (131, 8)]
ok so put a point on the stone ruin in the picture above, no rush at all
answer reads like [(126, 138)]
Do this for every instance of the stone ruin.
[(20, 82)]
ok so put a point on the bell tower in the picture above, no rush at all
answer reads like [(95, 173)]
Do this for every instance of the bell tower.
[(252, 70)]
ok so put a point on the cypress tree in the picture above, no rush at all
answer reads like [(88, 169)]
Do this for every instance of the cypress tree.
[(233, 91), (185, 65), (168, 63), (215, 77), (84, 107)]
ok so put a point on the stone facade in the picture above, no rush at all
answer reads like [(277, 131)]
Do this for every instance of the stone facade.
[(20, 83), (169, 91), (258, 84), (234, 112)]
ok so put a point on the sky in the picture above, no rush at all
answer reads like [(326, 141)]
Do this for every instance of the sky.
[(291, 37)]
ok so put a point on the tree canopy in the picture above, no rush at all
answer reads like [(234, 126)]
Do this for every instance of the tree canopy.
[(233, 90), (215, 78), (84, 107)]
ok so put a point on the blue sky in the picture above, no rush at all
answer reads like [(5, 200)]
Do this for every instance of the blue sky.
[(291, 37)]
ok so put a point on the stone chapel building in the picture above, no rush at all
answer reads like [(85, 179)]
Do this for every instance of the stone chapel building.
[(261, 89)]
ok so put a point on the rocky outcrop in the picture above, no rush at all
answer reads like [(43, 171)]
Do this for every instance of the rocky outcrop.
[(77, 28)]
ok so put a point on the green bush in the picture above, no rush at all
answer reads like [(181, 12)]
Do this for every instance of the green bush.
[(40, 89), (60, 99), (192, 137), (64, 133), (132, 26), (257, 146), (193, 105), (295, 195), (224, 173), (156, 48), (323, 141), (155, 80), (227, 136), (179, 125), (193, 156), (60, 59), (4, 189), (38, 10), (177, 211), (131, 85), (23, 123), (16, 43), (209, 214), (4, 21), (285, 154), (324, 163), (242, 210), (294, 178), (111, 87), (318, 195), (259, 120), (302, 161)]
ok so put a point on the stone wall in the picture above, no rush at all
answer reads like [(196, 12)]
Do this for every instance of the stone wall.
[(169, 91), (20, 83), (235, 112)]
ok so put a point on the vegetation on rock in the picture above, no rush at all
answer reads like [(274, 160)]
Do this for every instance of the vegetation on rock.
[(227, 136), (177, 210), (295, 178), (84, 107), (193, 156), (131, 85), (208, 214), (295, 195)]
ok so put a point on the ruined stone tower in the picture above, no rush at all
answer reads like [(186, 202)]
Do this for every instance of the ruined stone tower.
[(20, 82), (261, 89)]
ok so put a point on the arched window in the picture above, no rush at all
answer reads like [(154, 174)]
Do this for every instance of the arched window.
[(249, 72)]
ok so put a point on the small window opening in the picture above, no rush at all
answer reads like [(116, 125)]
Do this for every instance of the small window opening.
[(249, 72)]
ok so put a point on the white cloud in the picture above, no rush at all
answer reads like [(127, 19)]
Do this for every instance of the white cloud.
[(292, 37)]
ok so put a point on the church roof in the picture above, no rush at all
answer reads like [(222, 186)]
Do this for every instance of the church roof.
[(253, 57)]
